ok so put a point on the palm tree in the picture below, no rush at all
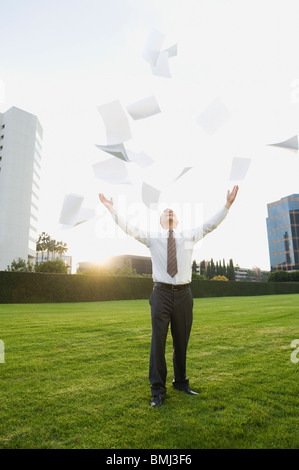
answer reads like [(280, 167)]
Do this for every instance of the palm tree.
[(42, 243), (61, 248)]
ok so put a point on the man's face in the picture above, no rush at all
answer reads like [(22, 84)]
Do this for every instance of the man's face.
[(168, 219)]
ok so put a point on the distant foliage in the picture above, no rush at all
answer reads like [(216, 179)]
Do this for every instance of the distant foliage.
[(20, 265), (52, 266), (283, 276)]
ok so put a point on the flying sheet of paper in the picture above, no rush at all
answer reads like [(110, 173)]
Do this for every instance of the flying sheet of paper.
[(172, 51), (116, 122), (144, 108), (183, 172), (291, 144), (141, 159), (161, 69), (70, 209), (117, 150), (239, 168), (150, 195), (84, 215), (213, 117), (153, 46), (72, 213), (113, 171)]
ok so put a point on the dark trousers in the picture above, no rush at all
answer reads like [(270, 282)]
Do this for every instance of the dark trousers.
[(174, 307)]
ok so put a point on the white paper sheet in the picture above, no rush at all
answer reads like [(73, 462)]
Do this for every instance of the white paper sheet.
[(153, 46), (161, 69), (183, 172), (70, 208), (117, 150), (290, 144), (113, 171), (144, 108), (150, 195), (172, 51), (72, 213), (239, 168), (213, 117), (116, 122), (141, 158)]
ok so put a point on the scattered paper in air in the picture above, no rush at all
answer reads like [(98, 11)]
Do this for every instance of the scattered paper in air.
[(72, 212), (291, 144), (144, 108), (113, 171), (183, 172), (141, 158), (161, 69), (239, 168), (116, 122), (117, 150), (70, 208), (150, 195), (155, 56), (153, 46), (172, 51), (213, 117), (84, 215)]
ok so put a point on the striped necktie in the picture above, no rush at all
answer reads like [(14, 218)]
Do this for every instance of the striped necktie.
[(172, 267)]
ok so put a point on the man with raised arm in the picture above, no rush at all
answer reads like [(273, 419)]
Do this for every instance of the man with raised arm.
[(171, 299)]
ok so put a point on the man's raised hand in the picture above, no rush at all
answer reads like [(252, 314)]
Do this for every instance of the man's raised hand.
[(107, 202), (231, 196)]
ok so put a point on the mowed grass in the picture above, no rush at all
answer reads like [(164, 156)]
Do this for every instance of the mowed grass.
[(76, 376)]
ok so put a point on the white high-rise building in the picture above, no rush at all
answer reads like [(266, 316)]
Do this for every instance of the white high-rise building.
[(20, 165)]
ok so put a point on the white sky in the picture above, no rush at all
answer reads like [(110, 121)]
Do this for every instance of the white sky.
[(60, 60)]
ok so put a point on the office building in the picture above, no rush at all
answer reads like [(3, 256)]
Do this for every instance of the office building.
[(283, 233), (20, 165)]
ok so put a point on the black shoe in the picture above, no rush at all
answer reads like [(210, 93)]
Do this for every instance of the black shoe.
[(156, 401)]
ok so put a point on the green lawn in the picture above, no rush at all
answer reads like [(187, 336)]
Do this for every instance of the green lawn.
[(76, 376)]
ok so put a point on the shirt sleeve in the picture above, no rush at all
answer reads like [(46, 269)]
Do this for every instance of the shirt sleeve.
[(134, 232), (210, 225)]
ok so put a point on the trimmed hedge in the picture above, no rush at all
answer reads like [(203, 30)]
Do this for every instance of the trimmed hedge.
[(18, 287)]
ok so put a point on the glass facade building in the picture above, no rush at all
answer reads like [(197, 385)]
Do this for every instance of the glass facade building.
[(283, 233)]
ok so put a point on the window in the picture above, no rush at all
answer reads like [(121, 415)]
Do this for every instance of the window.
[(2, 137), (3, 126)]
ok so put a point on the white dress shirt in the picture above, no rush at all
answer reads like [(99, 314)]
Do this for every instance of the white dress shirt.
[(185, 241)]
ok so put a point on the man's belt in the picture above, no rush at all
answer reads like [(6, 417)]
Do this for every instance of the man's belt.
[(172, 286)]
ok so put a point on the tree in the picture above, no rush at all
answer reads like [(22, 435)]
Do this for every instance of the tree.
[(61, 248), (46, 243), (231, 271), (20, 265), (52, 266), (212, 269), (42, 244), (194, 267), (202, 268), (224, 270)]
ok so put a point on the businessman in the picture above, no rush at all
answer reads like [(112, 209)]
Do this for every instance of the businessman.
[(171, 299)]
